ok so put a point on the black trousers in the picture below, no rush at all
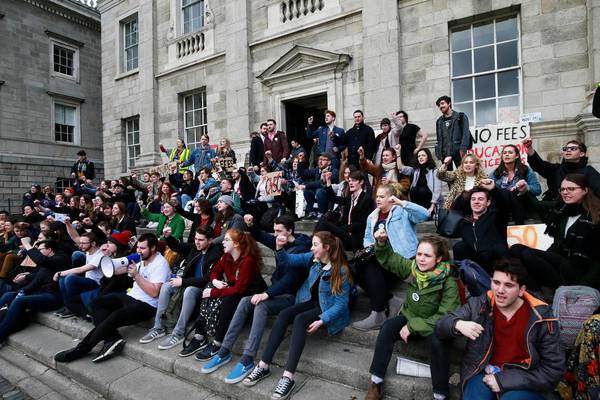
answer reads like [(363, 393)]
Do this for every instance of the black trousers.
[(301, 315), (228, 306), (439, 355), (516, 204), (543, 267), (111, 312), (349, 242), (377, 282), (421, 195), (485, 258)]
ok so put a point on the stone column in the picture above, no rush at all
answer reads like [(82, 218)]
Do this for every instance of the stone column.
[(381, 54), (237, 70), (148, 95)]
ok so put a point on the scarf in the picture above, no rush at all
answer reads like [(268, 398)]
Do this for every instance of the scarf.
[(433, 277), (564, 210), (390, 171)]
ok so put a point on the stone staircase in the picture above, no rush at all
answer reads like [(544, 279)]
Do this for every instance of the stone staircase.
[(330, 368)]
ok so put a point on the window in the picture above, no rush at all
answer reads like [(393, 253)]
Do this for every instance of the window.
[(65, 123), (132, 134), (62, 183), (486, 71), (193, 15), (130, 43), (64, 60), (64, 56), (194, 118)]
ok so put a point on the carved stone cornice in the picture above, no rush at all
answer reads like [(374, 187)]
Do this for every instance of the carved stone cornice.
[(71, 15)]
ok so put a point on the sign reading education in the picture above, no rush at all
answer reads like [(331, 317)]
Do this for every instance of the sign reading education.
[(489, 140)]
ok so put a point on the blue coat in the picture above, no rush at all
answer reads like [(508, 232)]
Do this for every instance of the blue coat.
[(322, 133), (336, 315), (400, 228), (201, 158), (531, 179)]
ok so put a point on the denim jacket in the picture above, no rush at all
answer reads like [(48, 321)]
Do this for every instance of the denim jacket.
[(200, 158), (335, 313)]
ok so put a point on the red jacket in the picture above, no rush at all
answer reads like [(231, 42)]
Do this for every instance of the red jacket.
[(279, 146), (238, 274)]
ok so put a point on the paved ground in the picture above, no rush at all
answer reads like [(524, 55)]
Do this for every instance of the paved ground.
[(9, 392)]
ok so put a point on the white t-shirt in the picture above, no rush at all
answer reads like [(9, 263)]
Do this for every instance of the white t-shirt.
[(94, 259), (157, 271), (469, 183)]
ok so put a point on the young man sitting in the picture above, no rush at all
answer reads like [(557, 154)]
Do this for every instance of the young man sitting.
[(513, 351)]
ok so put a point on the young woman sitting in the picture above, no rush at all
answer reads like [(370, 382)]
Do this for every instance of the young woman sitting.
[(425, 186), (468, 175)]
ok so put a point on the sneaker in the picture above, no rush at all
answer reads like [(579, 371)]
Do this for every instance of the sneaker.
[(208, 352), (257, 375), (394, 306), (239, 372), (372, 322), (152, 335), (284, 388), (375, 391), (64, 313), (216, 363), (109, 350), (69, 355), (193, 347), (311, 216), (170, 341)]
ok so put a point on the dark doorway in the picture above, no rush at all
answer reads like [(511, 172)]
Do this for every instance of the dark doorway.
[(297, 112)]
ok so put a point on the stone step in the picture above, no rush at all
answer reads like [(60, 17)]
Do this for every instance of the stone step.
[(324, 358), (39, 381)]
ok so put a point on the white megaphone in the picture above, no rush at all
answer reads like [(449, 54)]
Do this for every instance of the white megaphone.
[(117, 266)]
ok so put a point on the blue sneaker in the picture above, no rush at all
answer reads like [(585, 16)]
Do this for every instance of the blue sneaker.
[(215, 363), (239, 372)]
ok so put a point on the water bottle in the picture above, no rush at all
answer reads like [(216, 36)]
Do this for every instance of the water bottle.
[(492, 369)]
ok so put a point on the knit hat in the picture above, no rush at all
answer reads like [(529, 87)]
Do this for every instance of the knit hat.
[(227, 199), (121, 239)]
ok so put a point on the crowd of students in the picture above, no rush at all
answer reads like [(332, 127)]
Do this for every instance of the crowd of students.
[(367, 194)]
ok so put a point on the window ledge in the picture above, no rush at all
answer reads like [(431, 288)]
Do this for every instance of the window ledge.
[(71, 78), (65, 97), (126, 74), (64, 38)]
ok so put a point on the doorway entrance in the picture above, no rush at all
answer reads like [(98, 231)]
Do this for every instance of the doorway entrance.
[(297, 112)]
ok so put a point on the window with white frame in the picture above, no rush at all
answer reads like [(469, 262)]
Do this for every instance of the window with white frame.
[(130, 43), (132, 137), (192, 15), (66, 126), (486, 70), (64, 59), (194, 117), (61, 184)]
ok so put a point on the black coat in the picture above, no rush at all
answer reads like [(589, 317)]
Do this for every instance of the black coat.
[(360, 213), (46, 268), (257, 151), (358, 136), (596, 104), (192, 255)]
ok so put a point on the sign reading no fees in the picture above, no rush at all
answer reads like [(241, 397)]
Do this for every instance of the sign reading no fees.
[(489, 140)]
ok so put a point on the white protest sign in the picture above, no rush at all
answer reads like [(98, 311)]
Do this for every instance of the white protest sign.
[(529, 235), (489, 140)]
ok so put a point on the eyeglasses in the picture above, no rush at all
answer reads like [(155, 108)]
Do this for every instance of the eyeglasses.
[(569, 189), (570, 148)]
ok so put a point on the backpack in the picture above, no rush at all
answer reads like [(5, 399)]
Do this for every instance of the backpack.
[(573, 305), (474, 277)]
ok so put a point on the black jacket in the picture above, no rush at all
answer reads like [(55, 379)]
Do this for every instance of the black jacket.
[(257, 151), (554, 173), (126, 224), (86, 168), (195, 218), (46, 268), (192, 255), (546, 363), (360, 213), (284, 280), (596, 103), (358, 136)]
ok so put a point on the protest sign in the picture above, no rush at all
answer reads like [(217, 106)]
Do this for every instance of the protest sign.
[(529, 235), (489, 140), (226, 163), (274, 184)]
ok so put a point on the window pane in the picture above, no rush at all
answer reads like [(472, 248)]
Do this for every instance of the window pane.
[(189, 102), (508, 54), (484, 59), (485, 86), (467, 108), (59, 114), (486, 112), (197, 117), (506, 30), (461, 63), (70, 116), (483, 34), (508, 109), (461, 39), (508, 82), (463, 89)]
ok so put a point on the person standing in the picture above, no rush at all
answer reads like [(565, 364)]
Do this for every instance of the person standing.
[(452, 132), (257, 149), (326, 135), (83, 169), (360, 135), (406, 135), (276, 141), (201, 156)]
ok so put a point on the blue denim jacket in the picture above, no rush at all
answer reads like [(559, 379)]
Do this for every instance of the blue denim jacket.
[(335, 315), (200, 157)]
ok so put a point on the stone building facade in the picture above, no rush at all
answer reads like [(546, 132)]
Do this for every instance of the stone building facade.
[(179, 68), (50, 102)]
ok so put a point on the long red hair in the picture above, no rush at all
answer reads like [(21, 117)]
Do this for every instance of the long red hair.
[(248, 246)]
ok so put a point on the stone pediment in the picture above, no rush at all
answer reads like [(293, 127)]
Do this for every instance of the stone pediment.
[(302, 61)]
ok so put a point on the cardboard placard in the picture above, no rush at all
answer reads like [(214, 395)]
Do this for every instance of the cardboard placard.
[(489, 140), (226, 163), (274, 185), (529, 235)]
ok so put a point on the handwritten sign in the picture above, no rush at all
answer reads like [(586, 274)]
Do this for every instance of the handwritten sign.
[(162, 169), (274, 184), (489, 140), (529, 235), (226, 163)]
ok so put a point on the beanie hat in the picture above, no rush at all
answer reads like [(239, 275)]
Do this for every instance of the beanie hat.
[(227, 199), (121, 239)]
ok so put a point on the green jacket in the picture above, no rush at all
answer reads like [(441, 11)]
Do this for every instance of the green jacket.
[(237, 202), (11, 245), (433, 302), (177, 224)]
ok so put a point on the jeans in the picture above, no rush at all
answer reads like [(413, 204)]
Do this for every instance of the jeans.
[(191, 296), (475, 389), (261, 311), (112, 311), (301, 315), (184, 200), (321, 197), (78, 259), (72, 286), (439, 353), (17, 305)]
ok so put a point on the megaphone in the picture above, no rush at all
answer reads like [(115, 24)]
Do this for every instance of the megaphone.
[(117, 266)]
